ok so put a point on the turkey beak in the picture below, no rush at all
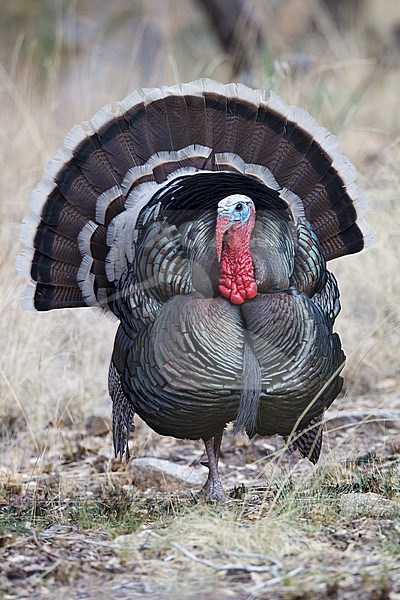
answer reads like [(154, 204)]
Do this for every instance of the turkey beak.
[(223, 223)]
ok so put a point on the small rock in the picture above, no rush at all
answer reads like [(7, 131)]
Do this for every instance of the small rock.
[(96, 425), (126, 543), (388, 384), (56, 529), (161, 474), (16, 573), (91, 444), (368, 505), (6, 540), (130, 542)]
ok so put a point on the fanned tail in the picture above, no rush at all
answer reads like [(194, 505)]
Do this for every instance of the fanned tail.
[(79, 235)]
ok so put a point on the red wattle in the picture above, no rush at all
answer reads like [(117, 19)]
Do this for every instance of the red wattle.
[(236, 281), (225, 291), (236, 298), (251, 290)]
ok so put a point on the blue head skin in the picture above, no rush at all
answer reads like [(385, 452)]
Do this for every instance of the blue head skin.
[(238, 207)]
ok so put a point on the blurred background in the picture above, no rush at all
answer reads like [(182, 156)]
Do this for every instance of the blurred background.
[(322, 53), (62, 60)]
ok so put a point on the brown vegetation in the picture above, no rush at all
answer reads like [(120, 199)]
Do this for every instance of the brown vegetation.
[(75, 522)]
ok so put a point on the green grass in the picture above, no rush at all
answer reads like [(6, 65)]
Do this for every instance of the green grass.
[(117, 510), (296, 529)]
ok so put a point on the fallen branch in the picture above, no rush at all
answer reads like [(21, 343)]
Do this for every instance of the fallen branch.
[(273, 581), (63, 538), (225, 566), (46, 571), (264, 557), (360, 417)]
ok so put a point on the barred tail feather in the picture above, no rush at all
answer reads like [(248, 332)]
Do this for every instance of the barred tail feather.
[(309, 441)]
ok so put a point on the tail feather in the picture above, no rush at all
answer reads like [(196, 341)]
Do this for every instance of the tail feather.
[(309, 442), (116, 139), (158, 131), (54, 273), (346, 242), (196, 113), (176, 105), (49, 297), (77, 189), (247, 415)]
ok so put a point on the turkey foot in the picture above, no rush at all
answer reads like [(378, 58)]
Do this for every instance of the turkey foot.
[(213, 490)]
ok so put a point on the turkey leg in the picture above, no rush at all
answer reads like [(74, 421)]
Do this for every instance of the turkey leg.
[(213, 490)]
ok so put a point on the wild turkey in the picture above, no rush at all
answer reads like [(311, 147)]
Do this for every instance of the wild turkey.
[(202, 216)]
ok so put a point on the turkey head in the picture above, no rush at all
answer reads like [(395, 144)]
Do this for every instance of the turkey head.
[(235, 222)]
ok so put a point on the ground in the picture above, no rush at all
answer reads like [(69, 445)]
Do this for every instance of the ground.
[(76, 523), (88, 526)]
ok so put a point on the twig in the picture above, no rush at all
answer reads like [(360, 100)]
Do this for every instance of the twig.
[(366, 416), (46, 571), (273, 581), (222, 567), (63, 538), (274, 561)]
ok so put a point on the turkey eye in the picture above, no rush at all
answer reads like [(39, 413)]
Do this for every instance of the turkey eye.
[(239, 207)]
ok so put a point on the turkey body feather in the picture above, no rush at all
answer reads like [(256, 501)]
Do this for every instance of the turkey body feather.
[(202, 216)]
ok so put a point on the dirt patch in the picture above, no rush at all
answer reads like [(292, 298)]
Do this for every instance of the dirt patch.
[(87, 526)]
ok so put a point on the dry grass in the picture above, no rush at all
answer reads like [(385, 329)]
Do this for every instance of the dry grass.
[(53, 366)]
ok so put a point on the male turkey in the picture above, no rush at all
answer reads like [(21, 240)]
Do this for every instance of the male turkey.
[(202, 216)]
